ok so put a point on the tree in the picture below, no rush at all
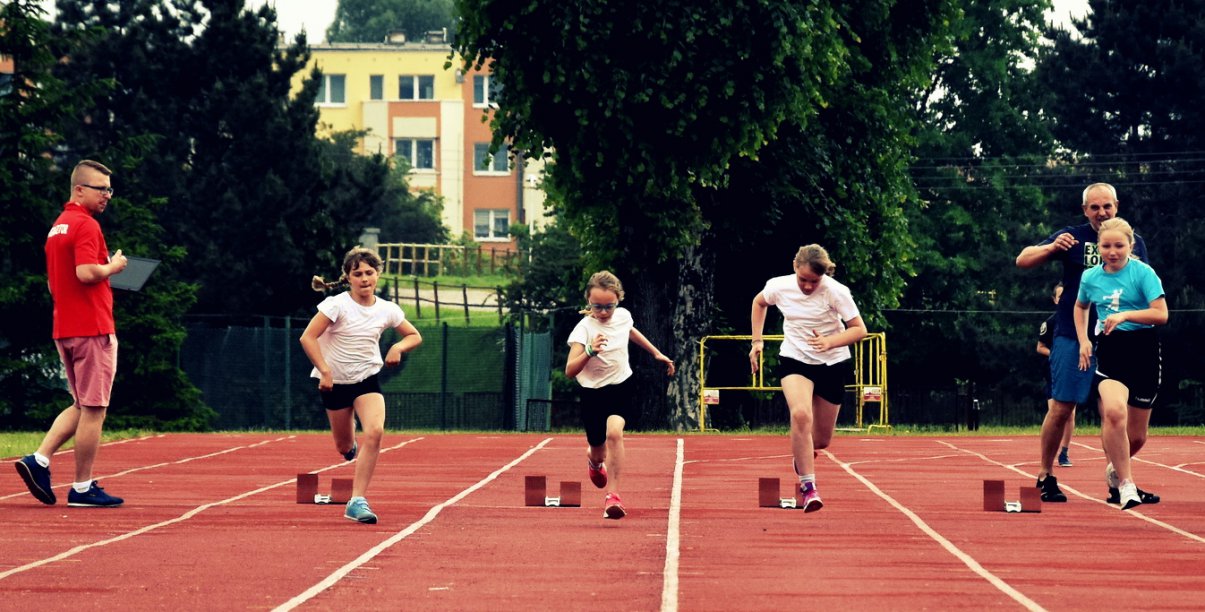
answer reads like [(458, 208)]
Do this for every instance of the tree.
[(33, 107), (647, 109), (373, 20), (1125, 105)]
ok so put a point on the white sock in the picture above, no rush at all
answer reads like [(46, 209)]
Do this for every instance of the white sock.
[(42, 460), (81, 487), (806, 479)]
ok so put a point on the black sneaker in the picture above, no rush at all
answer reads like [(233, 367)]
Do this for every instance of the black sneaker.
[(95, 497), (1049, 487), (1146, 496), (37, 478), (351, 454)]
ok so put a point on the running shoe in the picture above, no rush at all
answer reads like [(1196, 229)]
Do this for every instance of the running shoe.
[(613, 507), (358, 510), (94, 497), (811, 499), (37, 478), (1049, 487), (1145, 496), (351, 454), (1128, 495), (1064, 460), (598, 474)]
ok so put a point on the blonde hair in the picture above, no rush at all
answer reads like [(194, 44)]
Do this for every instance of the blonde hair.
[(351, 261), (82, 168), (1120, 225), (816, 258), (606, 281), (1105, 186)]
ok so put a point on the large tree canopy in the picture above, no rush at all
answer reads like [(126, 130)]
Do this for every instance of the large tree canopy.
[(373, 20)]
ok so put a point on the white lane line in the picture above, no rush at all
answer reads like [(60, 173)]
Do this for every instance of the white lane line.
[(669, 583), (180, 519), (371, 553), (966, 559), (158, 465), (1132, 512)]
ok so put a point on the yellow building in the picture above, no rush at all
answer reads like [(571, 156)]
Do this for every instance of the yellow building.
[(413, 108)]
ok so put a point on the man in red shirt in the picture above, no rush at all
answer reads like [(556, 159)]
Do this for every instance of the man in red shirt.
[(78, 268)]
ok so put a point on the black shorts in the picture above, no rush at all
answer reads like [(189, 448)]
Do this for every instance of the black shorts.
[(600, 403), (828, 381), (1132, 358), (343, 396)]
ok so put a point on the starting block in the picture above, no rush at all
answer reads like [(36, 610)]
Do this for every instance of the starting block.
[(768, 495), (993, 498), (307, 490), (535, 493)]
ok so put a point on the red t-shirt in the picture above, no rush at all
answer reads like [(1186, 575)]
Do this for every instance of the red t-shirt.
[(80, 309)]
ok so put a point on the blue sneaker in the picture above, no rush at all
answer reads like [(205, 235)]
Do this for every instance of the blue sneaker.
[(37, 478), (357, 510), (95, 497), (351, 454)]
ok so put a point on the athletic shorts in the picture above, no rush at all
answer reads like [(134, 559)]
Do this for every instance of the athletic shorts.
[(343, 396), (828, 381), (1068, 382), (91, 365), (599, 404), (1132, 358)]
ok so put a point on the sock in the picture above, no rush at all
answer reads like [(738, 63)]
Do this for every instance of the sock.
[(42, 460), (81, 487), (592, 464), (807, 481)]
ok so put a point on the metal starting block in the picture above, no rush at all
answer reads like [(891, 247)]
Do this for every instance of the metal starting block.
[(769, 495), (993, 498), (307, 490), (535, 493)]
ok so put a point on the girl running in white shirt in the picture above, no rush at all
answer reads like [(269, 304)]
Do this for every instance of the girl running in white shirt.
[(598, 359), (343, 342), (820, 322)]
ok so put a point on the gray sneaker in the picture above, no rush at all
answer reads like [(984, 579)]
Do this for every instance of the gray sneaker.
[(358, 510), (37, 478)]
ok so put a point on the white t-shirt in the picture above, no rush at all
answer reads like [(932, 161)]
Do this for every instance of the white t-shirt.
[(352, 343), (610, 366), (823, 313)]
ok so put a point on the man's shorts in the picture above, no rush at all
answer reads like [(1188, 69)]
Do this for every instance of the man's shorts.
[(343, 396), (828, 381), (91, 365), (1133, 359), (1069, 383), (599, 404)]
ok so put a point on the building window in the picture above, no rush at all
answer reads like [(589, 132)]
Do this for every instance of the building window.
[(332, 89), (411, 87), (420, 154), (484, 162), (491, 224), (486, 91), (376, 87)]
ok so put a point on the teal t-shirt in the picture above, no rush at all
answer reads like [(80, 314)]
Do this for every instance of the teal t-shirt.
[(1133, 287)]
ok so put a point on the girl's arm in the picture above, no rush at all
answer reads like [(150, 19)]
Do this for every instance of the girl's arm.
[(1156, 314), (757, 319), (410, 341), (309, 344), (640, 340), (1043, 350), (580, 355), (1080, 314), (854, 331)]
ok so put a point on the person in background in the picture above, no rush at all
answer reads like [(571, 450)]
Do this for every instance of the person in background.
[(1045, 341)]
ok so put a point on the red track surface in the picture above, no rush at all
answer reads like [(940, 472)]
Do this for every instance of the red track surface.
[(210, 523)]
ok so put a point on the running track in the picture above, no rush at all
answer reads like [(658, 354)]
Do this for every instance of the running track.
[(210, 522)]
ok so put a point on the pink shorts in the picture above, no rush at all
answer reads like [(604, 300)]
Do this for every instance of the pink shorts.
[(91, 364)]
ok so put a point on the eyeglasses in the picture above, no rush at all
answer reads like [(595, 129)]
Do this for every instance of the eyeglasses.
[(108, 190), (603, 307)]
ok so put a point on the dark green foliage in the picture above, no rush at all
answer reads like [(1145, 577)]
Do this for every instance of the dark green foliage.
[(372, 20)]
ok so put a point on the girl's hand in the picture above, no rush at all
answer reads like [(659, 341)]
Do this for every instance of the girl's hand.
[(326, 383), (598, 344), (818, 342), (394, 356), (755, 355), (1113, 320), (1085, 356), (669, 364)]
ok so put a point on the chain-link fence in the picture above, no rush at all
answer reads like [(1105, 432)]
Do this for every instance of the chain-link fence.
[(253, 372)]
